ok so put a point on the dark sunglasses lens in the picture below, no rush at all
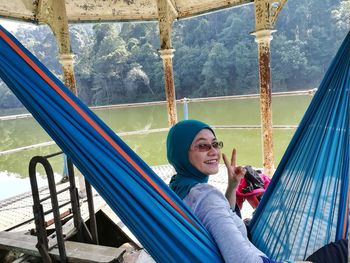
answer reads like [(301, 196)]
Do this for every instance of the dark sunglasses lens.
[(217, 145), (204, 147)]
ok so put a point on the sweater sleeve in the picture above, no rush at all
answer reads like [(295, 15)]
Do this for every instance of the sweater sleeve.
[(227, 229)]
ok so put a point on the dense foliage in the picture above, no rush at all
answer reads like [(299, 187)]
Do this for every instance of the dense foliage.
[(215, 54)]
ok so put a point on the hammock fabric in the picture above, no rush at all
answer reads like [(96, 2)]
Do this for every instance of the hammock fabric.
[(157, 217), (147, 206), (306, 203)]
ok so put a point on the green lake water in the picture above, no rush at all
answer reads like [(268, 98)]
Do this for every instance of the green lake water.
[(151, 147)]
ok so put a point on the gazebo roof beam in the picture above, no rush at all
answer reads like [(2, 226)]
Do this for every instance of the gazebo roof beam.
[(80, 11), (172, 8), (276, 9)]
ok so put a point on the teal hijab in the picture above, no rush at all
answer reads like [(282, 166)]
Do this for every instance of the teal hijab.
[(179, 140)]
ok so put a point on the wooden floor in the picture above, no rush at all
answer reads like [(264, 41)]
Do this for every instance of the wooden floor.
[(18, 209), (75, 251)]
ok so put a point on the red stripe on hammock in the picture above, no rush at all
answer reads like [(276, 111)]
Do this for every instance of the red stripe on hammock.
[(53, 85)]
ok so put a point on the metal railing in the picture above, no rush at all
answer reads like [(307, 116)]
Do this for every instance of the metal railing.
[(184, 101), (39, 213)]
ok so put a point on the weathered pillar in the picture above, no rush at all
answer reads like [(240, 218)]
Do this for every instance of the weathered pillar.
[(266, 13), (58, 21), (167, 56), (166, 15), (67, 62), (263, 38)]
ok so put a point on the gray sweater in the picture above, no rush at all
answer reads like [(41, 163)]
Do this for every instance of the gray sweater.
[(227, 229)]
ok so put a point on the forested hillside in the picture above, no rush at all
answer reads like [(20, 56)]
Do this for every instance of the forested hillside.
[(215, 54)]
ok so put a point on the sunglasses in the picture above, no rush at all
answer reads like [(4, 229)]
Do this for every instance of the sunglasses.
[(206, 147)]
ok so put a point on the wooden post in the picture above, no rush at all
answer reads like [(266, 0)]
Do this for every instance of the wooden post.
[(266, 13), (58, 21), (167, 55), (67, 62), (166, 14), (263, 38)]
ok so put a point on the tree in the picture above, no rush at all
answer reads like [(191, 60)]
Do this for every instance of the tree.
[(244, 59), (216, 72), (8, 99), (137, 82), (188, 64), (142, 42), (107, 66), (341, 14), (290, 69), (40, 41)]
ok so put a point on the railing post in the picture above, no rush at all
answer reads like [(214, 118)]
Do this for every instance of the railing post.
[(186, 100), (92, 216), (38, 210), (75, 200)]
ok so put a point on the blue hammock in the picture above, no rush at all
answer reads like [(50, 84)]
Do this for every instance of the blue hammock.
[(157, 217), (147, 206), (305, 206)]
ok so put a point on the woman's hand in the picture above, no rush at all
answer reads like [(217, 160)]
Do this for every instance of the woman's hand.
[(234, 176), (234, 173)]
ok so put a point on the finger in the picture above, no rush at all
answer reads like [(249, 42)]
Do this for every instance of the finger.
[(233, 157), (240, 171), (225, 160)]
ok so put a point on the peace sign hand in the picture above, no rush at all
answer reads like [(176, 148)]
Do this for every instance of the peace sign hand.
[(234, 173)]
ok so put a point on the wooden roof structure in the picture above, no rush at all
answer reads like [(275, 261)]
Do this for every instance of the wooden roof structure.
[(59, 13), (38, 11)]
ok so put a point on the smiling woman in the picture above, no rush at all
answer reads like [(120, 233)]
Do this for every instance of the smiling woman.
[(193, 150)]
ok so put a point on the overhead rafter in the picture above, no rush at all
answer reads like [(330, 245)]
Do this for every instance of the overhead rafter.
[(172, 8), (79, 11), (266, 13), (276, 8)]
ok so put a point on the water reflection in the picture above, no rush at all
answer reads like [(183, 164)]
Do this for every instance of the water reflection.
[(151, 147), (12, 185)]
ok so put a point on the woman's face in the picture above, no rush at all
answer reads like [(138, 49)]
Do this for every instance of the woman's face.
[(202, 155)]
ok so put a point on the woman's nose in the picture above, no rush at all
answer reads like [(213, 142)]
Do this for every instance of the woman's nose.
[(213, 151)]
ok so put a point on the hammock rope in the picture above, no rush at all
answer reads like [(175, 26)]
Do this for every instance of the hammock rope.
[(306, 204)]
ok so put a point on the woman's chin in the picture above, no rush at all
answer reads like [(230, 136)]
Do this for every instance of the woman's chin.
[(211, 170)]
